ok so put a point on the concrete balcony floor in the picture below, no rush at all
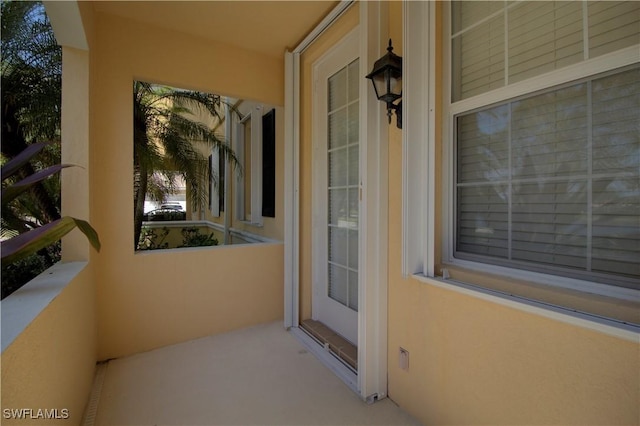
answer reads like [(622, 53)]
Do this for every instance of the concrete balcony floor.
[(256, 376)]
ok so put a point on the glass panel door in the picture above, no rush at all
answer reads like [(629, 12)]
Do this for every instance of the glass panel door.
[(343, 191)]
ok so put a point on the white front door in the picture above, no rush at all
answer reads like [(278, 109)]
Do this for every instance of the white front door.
[(336, 201)]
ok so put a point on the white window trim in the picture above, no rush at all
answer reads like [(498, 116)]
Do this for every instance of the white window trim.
[(373, 288), (418, 139), (214, 202), (256, 167), (587, 68), (228, 131), (583, 69)]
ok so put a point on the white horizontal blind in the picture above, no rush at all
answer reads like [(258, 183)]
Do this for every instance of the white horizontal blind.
[(494, 44), (478, 59), (548, 181), (551, 181), (464, 14), (616, 170), (613, 26), (549, 177), (343, 185), (483, 182), (543, 36)]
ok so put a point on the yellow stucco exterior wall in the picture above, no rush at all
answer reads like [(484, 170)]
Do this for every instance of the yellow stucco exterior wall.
[(477, 362), (51, 364), (473, 361), (148, 300)]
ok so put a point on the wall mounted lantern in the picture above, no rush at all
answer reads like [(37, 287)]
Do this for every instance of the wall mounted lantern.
[(387, 82)]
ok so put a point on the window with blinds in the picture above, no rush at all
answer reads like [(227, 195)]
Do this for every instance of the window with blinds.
[(548, 181), (494, 44)]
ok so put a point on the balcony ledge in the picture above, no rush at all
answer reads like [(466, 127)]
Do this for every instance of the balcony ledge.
[(22, 307)]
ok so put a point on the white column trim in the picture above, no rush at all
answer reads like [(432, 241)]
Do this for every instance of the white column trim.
[(418, 139), (372, 315), (291, 181)]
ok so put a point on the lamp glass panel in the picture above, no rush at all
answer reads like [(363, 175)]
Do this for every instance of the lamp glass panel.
[(395, 85), (380, 85)]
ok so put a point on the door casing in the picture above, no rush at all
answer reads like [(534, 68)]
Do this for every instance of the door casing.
[(372, 315), (339, 318)]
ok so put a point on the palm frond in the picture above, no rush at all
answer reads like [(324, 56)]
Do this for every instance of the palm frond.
[(170, 136), (31, 69)]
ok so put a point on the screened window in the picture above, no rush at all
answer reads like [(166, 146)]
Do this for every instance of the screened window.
[(550, 180)]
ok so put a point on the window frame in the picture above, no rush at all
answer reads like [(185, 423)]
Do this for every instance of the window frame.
[(216, 182), (263, 173), (255, 115), (582, 70)]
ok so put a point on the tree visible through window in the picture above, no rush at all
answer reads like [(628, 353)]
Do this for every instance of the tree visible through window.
[(171, 126)]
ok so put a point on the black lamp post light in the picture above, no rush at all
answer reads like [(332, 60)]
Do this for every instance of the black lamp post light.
[(387, 82)]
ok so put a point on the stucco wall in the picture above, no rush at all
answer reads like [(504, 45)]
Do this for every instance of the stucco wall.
[(51, 363), (477, 362), (473, 361), (147, 300), (177, 295)]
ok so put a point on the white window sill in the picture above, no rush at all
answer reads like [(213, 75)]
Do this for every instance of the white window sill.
[(254, 224), (497, 272)]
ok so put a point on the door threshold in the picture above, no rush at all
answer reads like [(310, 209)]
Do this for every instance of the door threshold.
[(340, 368), (329, 339)]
